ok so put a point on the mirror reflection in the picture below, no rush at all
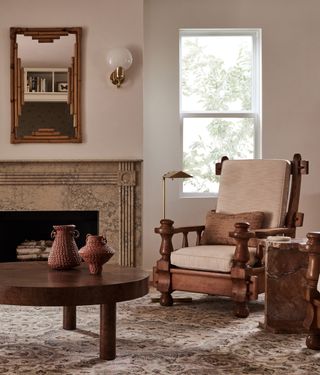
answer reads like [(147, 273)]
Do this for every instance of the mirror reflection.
[(45, 85)]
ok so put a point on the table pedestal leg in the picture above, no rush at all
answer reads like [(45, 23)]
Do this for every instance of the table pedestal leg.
[(69, 317), (108, 331)]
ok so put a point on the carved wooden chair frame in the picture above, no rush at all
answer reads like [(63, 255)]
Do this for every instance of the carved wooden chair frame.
[(311, 293), (243, 283)]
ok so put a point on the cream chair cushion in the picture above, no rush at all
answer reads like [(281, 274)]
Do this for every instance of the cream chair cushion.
[(255, 185), (207, 257)]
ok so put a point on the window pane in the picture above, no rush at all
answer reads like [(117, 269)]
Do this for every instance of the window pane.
[(216, 73), (205, 141)]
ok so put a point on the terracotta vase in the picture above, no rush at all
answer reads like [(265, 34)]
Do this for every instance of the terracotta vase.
[(64, 253), (96, 253)]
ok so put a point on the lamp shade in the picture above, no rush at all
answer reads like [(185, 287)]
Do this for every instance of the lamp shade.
[(119, 57), (176, 174)]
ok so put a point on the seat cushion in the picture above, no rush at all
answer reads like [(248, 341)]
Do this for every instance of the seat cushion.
[(255, 185), (219, 225), (208, 257)]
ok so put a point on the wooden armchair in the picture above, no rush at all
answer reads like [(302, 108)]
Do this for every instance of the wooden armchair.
[(312, 291), (216, 266)]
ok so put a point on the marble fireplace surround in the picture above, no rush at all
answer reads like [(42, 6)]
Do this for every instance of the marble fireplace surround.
[(112, 187)]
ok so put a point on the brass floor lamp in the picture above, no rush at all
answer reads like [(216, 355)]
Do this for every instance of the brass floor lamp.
[(173, 175)]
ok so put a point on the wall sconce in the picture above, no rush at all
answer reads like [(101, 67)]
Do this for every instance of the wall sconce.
[(173, 175), (119, 60)]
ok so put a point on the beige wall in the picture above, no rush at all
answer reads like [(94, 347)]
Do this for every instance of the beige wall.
[(291, 96), (114, 124), (112, 118)]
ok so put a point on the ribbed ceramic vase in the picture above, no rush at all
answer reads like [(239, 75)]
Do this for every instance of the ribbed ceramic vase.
[(64, 253), (96, 253)]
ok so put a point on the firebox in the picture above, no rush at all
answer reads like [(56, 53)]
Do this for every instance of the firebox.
[(19, 226)]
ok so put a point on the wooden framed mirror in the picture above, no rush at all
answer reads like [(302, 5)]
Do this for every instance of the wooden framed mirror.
[(45, 85)]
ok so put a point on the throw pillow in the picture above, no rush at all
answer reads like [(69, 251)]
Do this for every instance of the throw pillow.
[(218, 226)]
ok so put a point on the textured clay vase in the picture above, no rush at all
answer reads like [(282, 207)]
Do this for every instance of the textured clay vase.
[(96, 253), (64, 253)]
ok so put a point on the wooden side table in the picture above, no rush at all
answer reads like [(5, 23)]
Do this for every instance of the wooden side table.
[(285, 306)]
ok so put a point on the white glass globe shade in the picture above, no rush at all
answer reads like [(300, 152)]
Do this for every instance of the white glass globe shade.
[(119, 57)]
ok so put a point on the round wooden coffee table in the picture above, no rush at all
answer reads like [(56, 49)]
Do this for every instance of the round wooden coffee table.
[(35, 284)]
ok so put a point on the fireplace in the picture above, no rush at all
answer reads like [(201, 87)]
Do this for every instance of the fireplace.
[(20, 226), (110, 187)]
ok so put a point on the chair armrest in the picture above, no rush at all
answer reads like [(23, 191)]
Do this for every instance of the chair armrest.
[(264, 233), (188, 229), (167, 230), (241, 235)]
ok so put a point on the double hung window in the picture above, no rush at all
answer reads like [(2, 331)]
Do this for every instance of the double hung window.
[(219, 101)]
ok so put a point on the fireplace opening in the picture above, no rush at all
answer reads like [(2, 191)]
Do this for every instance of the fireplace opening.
[(19, 226)]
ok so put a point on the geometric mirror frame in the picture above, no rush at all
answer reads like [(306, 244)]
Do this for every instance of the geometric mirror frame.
[(45, 90)]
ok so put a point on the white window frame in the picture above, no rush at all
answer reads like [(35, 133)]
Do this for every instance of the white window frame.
[(255, 112)]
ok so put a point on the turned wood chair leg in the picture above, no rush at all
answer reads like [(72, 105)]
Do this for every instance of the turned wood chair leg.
[(166, 299), (241, 309), (313, 340), (311, 294)]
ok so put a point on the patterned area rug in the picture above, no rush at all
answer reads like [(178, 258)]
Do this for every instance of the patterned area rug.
[(201, 337)]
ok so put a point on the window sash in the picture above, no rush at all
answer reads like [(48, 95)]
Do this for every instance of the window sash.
[(256, 61)]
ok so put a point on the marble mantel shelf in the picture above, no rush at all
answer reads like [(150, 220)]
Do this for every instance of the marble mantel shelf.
[(123, 176), (71, 161), (113, 187)]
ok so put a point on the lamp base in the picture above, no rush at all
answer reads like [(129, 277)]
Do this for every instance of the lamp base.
[(177, 299)]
